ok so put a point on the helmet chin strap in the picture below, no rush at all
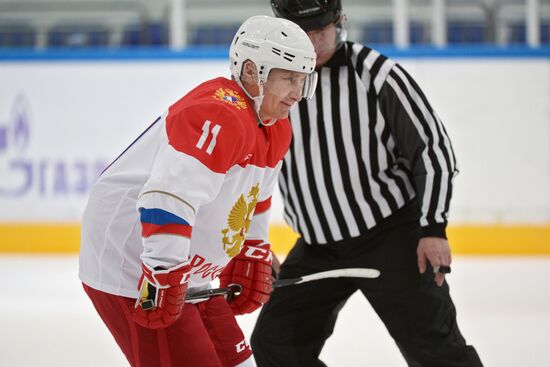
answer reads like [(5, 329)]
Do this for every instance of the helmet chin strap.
[(258, 100)]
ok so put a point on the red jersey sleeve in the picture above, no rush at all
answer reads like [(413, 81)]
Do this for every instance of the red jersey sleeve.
[(209, 132)]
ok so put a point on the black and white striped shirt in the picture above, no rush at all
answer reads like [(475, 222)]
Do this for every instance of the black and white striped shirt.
[(363, 147)]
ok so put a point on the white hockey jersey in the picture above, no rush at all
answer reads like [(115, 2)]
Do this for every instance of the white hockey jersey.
[(193, 186)]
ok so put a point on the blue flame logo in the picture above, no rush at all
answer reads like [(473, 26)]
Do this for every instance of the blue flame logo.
[(15, 135)]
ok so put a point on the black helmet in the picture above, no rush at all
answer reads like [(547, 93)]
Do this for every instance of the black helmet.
[(308, 14)]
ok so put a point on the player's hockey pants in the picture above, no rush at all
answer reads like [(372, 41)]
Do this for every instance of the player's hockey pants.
[(206, 334)]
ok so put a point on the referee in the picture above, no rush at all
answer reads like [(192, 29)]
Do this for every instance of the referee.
[(367, 183)]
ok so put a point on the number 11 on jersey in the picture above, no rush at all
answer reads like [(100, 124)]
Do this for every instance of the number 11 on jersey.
[(205, 133)]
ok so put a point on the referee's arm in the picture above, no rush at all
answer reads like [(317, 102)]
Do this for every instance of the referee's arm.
[(424, 144)]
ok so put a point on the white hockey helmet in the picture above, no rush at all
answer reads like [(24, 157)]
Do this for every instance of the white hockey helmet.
[(274, 43)]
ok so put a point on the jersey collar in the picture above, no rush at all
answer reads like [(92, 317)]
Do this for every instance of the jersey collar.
[(339, 57)]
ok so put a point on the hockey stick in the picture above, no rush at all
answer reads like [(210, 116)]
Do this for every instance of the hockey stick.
[(234, 289)]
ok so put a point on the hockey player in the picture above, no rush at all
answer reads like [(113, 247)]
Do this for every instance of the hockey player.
[(188, 201)]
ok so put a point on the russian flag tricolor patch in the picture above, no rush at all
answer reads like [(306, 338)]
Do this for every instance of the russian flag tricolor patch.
[(158, 221)]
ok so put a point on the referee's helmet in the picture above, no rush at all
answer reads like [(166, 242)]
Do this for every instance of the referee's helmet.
[(308, 14)]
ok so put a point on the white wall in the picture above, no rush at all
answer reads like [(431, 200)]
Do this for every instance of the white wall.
[(497, 113), (81, 115)]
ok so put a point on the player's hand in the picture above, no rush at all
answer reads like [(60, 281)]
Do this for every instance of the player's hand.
[(162, 295), (437, 252), (251, 269)]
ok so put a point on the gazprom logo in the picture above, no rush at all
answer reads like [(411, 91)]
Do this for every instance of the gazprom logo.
[(28, 172)]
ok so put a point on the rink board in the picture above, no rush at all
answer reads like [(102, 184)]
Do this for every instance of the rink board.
[(65, 115), (475, 240)]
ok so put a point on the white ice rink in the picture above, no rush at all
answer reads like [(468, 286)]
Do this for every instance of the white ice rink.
[(503, 308)]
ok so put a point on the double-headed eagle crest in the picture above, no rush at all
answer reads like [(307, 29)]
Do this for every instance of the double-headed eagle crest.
[(230, 96), (238, 221)]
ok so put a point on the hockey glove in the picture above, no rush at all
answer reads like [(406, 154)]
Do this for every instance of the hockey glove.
[(251, 269), (162, 295)]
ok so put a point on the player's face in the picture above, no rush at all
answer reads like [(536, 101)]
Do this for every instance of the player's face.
[(282, 89), (324, 41)]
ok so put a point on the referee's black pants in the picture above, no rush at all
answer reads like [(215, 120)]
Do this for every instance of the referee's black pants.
[(420, 316)]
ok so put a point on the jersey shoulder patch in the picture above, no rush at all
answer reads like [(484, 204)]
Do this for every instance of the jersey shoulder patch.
[(230, 96)]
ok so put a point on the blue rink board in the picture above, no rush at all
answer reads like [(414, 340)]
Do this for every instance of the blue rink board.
[(221, 53)]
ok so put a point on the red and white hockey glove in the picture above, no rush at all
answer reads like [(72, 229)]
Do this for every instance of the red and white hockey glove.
[(162, 295), (251, 269)]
